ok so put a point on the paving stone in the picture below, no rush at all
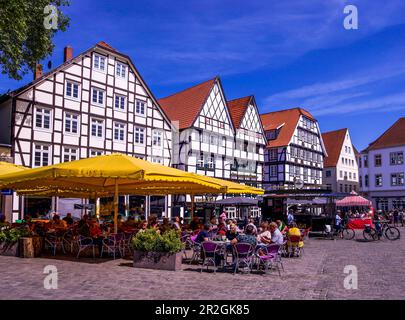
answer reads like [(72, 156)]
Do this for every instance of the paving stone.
[(319, 274)]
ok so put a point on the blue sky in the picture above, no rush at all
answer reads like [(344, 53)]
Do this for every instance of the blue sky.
[(286, 53)]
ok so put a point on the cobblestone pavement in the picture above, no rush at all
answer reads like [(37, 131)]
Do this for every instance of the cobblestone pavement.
[(317, 275)]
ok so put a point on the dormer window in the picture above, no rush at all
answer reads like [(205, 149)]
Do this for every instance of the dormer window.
[(271, 134)]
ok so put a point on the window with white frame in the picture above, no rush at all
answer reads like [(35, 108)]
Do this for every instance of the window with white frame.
[(97, 128), (273, 171), (94, 153), (140, 107), (119, 131), (99, 62), (42, 118), (157, 138), (71, 123), (69, 154), (378, 180), (157, 160), (273, 154), (397, 179), (224, 141), (139, 134), (121, 70), (97, 96), (396, 158), (41, 155), (120, 102), (72, 89)]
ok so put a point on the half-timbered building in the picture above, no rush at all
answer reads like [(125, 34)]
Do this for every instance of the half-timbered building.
[(295, 150), (95, 103), (217, 138)]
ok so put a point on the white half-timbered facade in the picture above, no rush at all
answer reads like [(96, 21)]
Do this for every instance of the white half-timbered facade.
[(95, 103), (250, 142), (217, 138), (295, 150)]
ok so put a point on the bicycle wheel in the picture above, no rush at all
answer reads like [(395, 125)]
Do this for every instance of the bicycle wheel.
[(348, 234), (370, 235), (392, 233)]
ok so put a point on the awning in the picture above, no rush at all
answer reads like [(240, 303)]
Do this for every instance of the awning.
[(353, 200)]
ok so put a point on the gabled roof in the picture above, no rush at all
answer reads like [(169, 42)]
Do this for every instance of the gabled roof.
[(186, 105), (102, 46), (287, 120), (237, 109), (393, 137), (333, 141)]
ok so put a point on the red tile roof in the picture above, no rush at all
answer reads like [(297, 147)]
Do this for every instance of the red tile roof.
[(393, 137), (288, 119), (237, 109), (105, 45), (184, 106), (333, 141)]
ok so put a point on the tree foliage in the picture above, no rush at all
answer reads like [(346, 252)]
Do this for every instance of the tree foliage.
[(24, 40)]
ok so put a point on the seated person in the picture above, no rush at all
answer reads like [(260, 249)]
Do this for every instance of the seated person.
[(221, 229), (57, 223), (248, 237), (203, 235), (176, 223), (130, 223), (252, 223), (165, 226), (94, 228), (232, 233), (68, 219), (294, 231), (143, 226), (195, 224), (281, 226), (264, 237), (276, 236)]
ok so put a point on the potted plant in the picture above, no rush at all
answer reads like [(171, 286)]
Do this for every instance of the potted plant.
[(9, 240), (155, 251)]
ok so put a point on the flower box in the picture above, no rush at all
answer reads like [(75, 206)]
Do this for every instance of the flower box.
[(157, 260)]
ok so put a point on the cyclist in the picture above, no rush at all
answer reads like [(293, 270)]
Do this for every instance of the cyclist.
[(378, 226)]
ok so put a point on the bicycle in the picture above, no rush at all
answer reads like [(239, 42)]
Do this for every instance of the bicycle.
[(344, 232), (384, 229)]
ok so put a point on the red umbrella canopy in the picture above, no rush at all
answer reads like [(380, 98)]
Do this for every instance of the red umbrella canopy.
[(353, 200)]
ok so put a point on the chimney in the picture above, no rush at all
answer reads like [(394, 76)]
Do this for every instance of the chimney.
[(67, 53), (38, 71)]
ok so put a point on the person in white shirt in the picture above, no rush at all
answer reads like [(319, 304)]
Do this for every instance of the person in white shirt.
[(276, 236), (264, 237)]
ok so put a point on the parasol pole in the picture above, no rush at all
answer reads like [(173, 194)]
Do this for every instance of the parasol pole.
[(116, 206), (192, 206)]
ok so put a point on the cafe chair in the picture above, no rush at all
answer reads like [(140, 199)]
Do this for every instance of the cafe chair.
[(212, 253), (85, 243), (112, 244), (243, 253)]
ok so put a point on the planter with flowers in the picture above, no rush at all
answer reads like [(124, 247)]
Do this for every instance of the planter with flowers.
[(155, 251)]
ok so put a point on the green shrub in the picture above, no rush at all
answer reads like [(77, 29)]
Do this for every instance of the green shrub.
[(150, 240), (13, 235)]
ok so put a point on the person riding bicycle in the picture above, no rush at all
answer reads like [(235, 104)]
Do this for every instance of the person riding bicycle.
[(377, 223)]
